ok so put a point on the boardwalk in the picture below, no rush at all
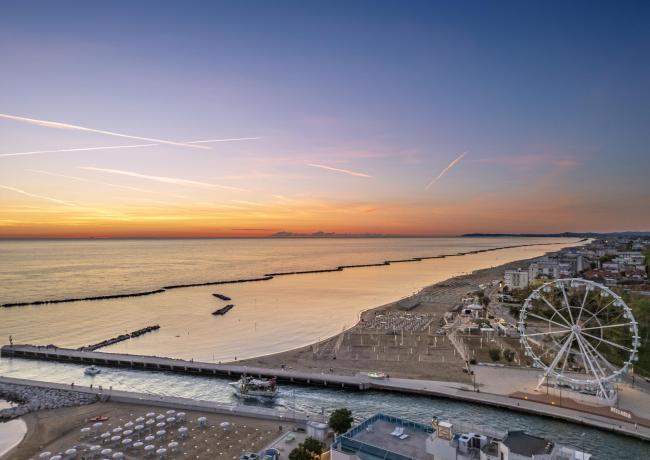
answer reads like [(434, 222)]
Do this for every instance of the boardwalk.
[(358, 382)]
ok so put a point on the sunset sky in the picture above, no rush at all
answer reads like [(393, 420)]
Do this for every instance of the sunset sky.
[(419, 118)]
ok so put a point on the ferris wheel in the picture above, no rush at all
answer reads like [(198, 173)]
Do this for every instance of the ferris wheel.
[(581, 333)]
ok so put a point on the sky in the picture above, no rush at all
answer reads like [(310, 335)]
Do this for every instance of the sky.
[(205, 119)]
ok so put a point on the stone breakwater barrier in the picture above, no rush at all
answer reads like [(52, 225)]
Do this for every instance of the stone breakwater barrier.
[(266, 277), (119, 338), (33, 398)]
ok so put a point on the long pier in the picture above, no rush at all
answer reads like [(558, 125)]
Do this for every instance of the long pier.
[(357, 382), (154, 363)]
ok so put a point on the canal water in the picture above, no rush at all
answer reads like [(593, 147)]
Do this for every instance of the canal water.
[(316, 401)]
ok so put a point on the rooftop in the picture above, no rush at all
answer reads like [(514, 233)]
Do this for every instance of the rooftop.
[(524, 444), (372, 439)]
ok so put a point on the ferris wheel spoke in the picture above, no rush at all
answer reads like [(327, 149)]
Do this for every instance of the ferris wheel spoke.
[(554, 309), (585, 357), (559, 355), (604, 308), (582, 307), (585, 344), (566, 356), (605, 361), (609, 342), (603, 327), (566, 331), (566, 302), (547, 319)]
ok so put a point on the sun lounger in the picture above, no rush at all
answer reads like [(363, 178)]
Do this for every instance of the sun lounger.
[(404, 436), (399, 431)]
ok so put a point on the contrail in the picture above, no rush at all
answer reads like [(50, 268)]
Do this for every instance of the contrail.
[(58, 125), (166, 180), (344, 171), (445, 171), (117, 147), (41, 197), (125, 187)]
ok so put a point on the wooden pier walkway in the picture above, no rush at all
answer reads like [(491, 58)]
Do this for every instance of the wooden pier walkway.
[(154, 363), (357, 382)]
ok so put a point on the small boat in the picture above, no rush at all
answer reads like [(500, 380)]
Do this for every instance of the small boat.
[(92, 370), (250, 387), (224, 310), (222, 297), (376, 375), (99, 418)]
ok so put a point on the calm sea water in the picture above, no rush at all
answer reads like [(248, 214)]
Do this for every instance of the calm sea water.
[(268, 317)]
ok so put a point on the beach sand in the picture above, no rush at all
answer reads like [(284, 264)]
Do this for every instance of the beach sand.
[(59, 429), (370, 346)]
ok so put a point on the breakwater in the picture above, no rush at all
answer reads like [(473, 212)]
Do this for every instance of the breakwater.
[(266, 277), (119, 338)]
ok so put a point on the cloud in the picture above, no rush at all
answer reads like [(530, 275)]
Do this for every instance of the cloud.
[(58, 125), (445, 171), (118, 147), (166, 180), (344, 171), (40, 197), (124, 187)]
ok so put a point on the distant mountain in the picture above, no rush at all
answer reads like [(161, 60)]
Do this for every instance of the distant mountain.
[(334, 235), (566, 235)]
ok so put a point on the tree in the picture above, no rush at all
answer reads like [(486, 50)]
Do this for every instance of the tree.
[(300, 453), (341, 420), (313, 445), (495, 354)]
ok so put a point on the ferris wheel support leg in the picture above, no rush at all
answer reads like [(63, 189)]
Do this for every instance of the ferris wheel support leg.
[(556, 361)]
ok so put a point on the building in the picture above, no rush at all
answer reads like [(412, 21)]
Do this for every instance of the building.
[(392, 438), (547, 269), (516, 279)]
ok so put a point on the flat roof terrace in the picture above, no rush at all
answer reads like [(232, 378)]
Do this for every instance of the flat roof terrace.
[(372, 439)]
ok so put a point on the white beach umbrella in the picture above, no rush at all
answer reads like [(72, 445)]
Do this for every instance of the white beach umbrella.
[(161, 433), (150, 414), (106, 452), (160, 417), (127, 442), (160, 424), (181, 415), (203, 421), (162, 451), (117, 429), (138, 444), (171, 411), (139, 420), (171, 419), (118, 455), (149, 438), (94, 449), (70, 452), (173, 446), (129, 424), (56, 457), (45, 455), (116, 438), (182, 431)]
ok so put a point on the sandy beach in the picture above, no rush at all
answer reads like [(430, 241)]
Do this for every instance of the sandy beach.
[(57, 430), (420, 351)]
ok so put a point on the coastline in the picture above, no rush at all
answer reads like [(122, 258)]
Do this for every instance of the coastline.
[(319, 356), (264, 277)]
